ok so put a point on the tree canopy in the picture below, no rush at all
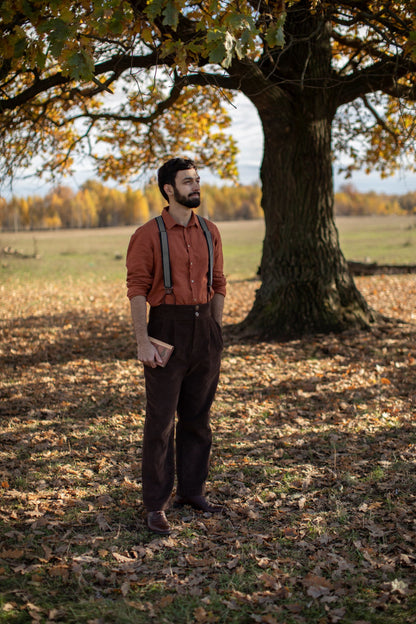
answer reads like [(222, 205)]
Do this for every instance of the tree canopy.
[(80, 76)]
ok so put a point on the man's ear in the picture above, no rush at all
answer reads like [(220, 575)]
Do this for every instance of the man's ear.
[(168, 188)]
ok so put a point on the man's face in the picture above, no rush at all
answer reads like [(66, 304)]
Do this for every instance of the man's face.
[(186, 189)]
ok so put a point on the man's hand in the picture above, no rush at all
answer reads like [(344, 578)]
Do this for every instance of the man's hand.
[(148, 355), (146, 352), (217, 307)]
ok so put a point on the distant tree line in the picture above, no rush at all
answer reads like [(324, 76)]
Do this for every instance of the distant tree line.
[(96, 205), (350, 202)]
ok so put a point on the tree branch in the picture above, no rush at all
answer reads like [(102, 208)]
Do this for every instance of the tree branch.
[(357, 44), (382, 76), (161, 107), (361, 13), (221, 81), (117, 65), (379, 119)]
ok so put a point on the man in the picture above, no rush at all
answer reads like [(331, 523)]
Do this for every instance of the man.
[(189, 316)]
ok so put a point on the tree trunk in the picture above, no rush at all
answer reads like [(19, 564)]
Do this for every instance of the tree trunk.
[(306, 284)]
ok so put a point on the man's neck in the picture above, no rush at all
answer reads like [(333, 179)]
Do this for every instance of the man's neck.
[(180, 213)]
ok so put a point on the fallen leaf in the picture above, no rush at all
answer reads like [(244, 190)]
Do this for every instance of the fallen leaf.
[(316, 585)]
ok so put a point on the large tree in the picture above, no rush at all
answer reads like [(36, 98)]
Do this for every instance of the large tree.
[(322, 76)]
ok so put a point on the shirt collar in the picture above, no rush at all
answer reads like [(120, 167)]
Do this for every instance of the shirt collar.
[(170, 221)]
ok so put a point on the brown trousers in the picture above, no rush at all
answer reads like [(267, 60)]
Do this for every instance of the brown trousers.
[(186, 386)]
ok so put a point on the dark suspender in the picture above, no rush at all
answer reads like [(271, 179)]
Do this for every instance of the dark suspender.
[(208, 237), (164, 246)]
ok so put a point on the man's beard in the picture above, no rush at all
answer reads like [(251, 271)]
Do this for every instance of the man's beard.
[(188, 202)]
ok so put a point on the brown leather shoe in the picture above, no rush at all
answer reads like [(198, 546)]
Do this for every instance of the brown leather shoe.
[(157, 522), (197, 502)]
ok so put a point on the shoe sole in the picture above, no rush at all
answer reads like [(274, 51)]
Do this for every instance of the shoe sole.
[(180, 504), (158, 532)]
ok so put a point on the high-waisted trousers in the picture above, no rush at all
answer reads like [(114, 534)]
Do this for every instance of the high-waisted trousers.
[(186, 388)]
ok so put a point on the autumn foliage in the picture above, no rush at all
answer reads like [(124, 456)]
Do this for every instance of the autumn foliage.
[(96, 205)]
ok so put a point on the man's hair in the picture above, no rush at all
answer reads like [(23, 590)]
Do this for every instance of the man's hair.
[(167, 172)]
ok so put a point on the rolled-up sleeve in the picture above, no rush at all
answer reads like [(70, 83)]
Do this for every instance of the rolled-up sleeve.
[(140, 263), (218, 278)]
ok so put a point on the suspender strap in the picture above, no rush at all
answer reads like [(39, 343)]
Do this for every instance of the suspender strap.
[(164, 245), (208, 237)]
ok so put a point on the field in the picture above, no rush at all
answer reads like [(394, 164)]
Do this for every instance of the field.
[(100, 252), (314, 451), (385, 240)]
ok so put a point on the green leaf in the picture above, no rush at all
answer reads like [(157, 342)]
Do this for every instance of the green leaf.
[(56, 48), (66, 15), (20, 47), (80, 65), (56, 29), (247, 38), (116, 24), (27, 9), (41, 59), (217, 54), (154, 9), (171, 15), (58, 32), (223, 52), (275, 35), (239, 21)]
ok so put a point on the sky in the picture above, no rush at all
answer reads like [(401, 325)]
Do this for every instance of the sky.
[(247, 131)]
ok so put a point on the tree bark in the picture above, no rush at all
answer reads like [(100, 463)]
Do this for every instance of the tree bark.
[(306, 283)]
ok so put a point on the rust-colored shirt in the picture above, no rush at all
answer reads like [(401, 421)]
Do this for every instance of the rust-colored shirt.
[(188, 252)]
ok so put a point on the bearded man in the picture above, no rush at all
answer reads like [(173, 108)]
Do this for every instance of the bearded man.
[(186, 311)]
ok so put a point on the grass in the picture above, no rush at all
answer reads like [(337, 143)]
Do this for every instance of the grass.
[(385, 240), (99, 254)]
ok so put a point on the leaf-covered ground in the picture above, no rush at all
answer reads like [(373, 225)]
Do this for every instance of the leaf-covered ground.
[(314, 458)]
